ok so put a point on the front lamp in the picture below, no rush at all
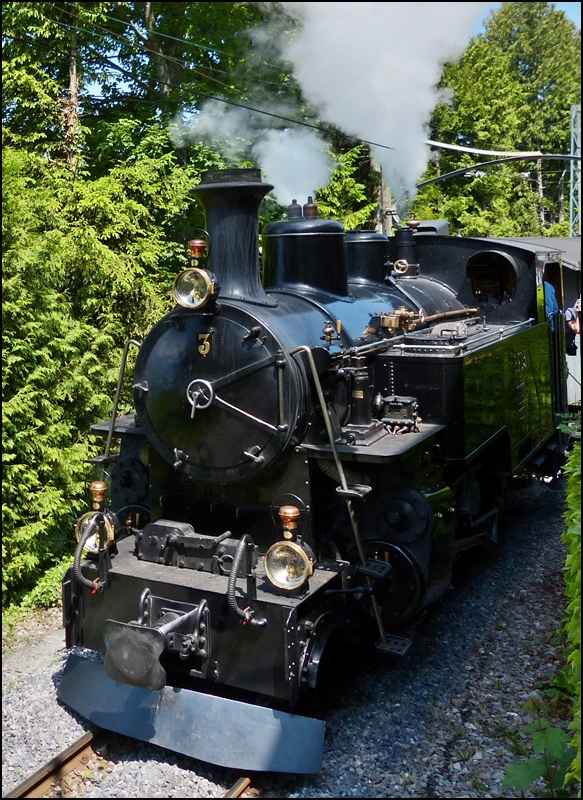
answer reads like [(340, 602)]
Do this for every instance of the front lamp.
[(194, 287), (92, 543), (287, 565)]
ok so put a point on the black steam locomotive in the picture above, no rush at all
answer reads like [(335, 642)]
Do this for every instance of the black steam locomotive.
[(314, 443)]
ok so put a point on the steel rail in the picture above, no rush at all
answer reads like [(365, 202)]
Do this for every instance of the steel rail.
[(238, 788), (39, 783)]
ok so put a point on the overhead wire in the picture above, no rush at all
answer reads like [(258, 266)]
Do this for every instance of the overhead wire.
[(167, 36), (212, 49), (471, 168), (97, 56), (139, 44), (208, 96), (509, 156), (187, 66), (430, 142)]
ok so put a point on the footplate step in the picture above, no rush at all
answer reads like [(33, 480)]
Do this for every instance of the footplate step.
[(393, 645), (374, 569)]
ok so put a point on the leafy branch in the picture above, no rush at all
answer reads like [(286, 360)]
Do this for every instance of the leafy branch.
[(552, 759)]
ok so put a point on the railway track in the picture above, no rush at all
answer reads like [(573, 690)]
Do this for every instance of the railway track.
[(76, 757), (238, 788)]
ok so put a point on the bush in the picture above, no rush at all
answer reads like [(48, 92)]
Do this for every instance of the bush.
[(572, 538)]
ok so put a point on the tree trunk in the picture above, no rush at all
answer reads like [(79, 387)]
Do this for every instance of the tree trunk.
[(540, 190), (71, 104), (168, 69)]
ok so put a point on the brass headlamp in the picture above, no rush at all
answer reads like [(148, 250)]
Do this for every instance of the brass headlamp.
[(287, 564), (92, 543), (194, 287)]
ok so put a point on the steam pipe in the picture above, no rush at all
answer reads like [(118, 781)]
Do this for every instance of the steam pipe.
[(244, 614), (94, 585)]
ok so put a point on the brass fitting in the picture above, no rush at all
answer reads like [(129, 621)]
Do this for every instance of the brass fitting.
[(330, 333), (400, 318), (310, 208), (98, 490), (289, 517), (197, 248)]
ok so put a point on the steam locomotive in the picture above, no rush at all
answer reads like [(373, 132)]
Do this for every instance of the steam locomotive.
[(316, 439)]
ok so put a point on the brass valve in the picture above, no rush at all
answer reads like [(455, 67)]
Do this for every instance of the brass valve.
[(400, 318), (331, 333)]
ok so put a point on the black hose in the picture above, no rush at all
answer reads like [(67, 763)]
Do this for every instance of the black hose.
[(245, 615), (94, 584)]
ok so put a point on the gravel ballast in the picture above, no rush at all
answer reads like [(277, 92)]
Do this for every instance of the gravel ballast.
[(444, 721)]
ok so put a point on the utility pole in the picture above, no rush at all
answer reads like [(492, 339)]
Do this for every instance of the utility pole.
[(387, 211), (575, 182)]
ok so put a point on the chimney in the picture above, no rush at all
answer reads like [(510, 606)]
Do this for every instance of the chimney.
[(231, 201)]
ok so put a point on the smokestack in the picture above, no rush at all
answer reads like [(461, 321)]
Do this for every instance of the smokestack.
[(231, 201)]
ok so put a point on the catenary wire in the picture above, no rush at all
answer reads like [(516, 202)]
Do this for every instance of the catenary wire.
[(174, 38), (167, 36), (513, 155), (203, 94), (432, 143)]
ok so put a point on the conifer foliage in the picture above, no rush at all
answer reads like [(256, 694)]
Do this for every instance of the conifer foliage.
[(511, 91), (86, 265)]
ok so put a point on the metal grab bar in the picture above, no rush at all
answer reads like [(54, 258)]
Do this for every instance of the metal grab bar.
[(118, 392), (304, 348)]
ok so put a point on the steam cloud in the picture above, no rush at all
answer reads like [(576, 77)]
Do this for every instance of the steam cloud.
[(368, 68), (371, 69), (294, 160)]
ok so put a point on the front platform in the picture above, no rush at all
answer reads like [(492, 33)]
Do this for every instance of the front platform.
[(218, 730)]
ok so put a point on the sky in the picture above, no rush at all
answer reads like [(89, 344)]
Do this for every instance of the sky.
[(572, 10)]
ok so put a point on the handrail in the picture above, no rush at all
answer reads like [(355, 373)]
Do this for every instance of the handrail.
[(361, 554), (118, 392)]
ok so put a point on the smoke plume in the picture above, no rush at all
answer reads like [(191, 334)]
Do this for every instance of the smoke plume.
[(369, 69), (294, 159)]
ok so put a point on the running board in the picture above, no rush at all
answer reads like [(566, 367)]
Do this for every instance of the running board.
[(218, 730)]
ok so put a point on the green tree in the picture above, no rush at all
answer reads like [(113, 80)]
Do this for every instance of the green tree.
[(96, 209), (347, 195), (87, 263), (106, 62), (49, 57), (511, 90)]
